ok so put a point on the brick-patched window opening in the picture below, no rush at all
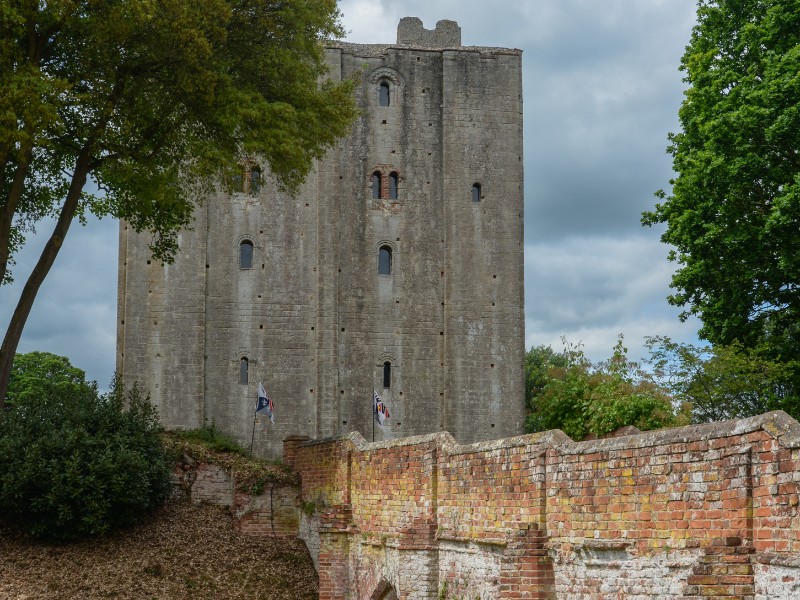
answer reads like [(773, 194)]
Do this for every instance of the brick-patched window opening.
[(377, 182), (385, 183)]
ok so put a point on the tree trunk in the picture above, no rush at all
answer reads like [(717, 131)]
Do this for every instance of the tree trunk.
[(9, 209), (37, 276)]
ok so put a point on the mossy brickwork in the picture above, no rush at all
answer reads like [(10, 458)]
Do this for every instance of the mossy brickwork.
[(705, 511)]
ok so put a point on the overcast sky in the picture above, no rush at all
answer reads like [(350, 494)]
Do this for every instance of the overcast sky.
[(601, 92)]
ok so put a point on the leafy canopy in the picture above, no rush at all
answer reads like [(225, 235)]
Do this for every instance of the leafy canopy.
[(584, 399), (38, 374), (723, 382), (157, 101), (733, 215)]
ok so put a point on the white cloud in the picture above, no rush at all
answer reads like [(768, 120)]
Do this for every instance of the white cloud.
[(592, 289)]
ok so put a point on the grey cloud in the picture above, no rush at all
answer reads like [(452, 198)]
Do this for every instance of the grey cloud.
[(602, 89)]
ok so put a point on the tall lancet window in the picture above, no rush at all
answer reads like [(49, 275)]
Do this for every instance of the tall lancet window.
[(384, 94), (387, 375), (246, 254), (385, 260), (244, 371)]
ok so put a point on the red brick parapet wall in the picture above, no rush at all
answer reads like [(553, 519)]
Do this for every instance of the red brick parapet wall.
[(707, 511)]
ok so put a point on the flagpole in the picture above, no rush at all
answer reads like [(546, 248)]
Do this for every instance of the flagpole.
[(253, 437), (373, 414)]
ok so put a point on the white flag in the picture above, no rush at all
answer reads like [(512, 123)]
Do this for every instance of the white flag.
[(379, 409)]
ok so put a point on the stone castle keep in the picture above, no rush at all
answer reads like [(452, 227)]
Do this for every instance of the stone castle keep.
[(398, 266)]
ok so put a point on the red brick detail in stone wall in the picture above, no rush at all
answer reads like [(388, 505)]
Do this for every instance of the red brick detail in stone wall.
[(274, 513), (724, 571), (527, 568), (334, 575)]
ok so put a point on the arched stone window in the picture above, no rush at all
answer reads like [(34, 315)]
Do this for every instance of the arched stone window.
[(476, 192), (377, 180), (255, 180), (246, 254), (385, 260), (393, 186), (387, 375), (244, 371), (384, 94)]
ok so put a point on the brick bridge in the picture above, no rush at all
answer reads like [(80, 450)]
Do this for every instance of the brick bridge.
[(707, 511)]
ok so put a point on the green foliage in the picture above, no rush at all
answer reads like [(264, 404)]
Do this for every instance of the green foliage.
[(734, 211), (157, 102), (309, 507), (213, 439), (74, 463), (583, 399), (39, 374), (723, 382), (162, 99), (539, 360), (443, 591)]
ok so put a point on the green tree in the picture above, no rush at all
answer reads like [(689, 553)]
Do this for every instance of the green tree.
[(734, 210), (539, 360), (37, 374), (723, 382), (74, 463), (584, 399), (155, 101)]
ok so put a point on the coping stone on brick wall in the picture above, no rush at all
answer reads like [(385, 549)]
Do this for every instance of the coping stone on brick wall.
[(780, 560), (777, 423)]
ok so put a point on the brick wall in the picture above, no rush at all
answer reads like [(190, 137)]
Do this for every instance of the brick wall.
[(705, 511)]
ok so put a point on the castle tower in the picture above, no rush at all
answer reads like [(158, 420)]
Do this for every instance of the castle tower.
[(397, 267)]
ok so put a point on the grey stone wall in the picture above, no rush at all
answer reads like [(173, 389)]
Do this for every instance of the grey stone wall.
[(410, 32), (313, 316)]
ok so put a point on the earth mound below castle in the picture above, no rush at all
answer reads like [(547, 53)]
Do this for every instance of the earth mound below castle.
[(185, 550)]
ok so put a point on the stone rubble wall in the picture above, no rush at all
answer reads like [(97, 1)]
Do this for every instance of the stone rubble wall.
[(707, 511), (274, 512)]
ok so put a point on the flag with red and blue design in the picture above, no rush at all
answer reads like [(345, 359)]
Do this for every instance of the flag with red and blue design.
[(380, 410)]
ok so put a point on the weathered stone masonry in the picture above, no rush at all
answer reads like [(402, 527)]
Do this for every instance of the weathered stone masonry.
[(312, 315), (705, 511)]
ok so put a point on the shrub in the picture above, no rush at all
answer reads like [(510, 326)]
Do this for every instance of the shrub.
[(77, 463), (213, 439)]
